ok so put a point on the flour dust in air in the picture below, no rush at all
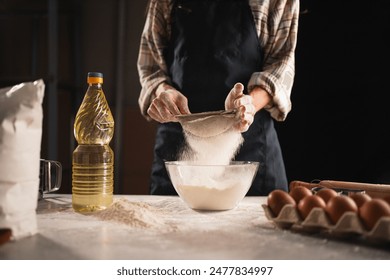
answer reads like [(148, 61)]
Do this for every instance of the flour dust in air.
[(216, 150), (212, 188)]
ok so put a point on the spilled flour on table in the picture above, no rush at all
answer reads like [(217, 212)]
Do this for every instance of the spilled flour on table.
[(135, 214)]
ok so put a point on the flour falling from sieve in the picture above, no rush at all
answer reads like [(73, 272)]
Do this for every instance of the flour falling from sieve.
[(211, 188), (216, 150)]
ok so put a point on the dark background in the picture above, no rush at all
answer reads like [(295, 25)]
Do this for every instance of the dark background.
[(337, 128)]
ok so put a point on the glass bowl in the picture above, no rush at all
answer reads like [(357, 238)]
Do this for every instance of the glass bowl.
[(212, 187)]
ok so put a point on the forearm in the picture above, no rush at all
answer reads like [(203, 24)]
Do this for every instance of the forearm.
[(151, 65), (261, 98), (164, 86), (278, 70)]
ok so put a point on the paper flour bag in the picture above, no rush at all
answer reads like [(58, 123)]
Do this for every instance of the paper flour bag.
[(21, 117)]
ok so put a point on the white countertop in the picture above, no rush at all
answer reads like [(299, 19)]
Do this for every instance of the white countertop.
[(241, 233)]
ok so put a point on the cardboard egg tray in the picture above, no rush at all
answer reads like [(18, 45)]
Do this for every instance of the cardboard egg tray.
[(317, 221)]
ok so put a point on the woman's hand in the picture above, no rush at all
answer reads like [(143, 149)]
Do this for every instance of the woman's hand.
[(246, 111), (167, 104)]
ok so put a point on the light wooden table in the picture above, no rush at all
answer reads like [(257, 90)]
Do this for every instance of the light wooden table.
[(242, 233)]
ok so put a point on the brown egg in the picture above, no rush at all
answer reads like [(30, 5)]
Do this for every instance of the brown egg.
[(5, 235), (326, 194), (299, 192), (277, 199), (387, 199), (360, 198), (372, 211), (338, 205), (294, 184), (308, 203)]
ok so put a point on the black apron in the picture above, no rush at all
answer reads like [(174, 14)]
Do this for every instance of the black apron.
[(214, 44)]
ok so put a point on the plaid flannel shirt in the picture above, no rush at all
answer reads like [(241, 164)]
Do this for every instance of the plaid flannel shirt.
[(276, 23)]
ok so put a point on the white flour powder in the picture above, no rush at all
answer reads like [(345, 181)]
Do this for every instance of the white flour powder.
[(216, 150), (134, 214), (210, 188), (209, 198)]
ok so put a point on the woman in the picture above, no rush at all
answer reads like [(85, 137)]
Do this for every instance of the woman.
[(206, 55)]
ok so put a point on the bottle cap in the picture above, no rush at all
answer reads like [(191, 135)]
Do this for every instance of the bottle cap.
[(95, 78)]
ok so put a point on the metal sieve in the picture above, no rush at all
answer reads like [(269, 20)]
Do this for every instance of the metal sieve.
[(208, 124)]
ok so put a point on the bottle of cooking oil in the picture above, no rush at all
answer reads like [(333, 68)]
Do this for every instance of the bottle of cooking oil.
[(93, 159)]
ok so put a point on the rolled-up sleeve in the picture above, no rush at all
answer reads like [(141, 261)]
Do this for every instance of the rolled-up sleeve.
[(151, 66), (277, 26)]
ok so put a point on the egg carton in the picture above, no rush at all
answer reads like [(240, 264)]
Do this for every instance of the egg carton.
[(349, 223)]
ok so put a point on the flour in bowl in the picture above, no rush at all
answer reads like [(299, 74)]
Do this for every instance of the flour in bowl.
[(207, 180), (208, 198)]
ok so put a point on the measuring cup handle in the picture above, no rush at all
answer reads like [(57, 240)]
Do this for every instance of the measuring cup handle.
[(58, 172), (48, 186)]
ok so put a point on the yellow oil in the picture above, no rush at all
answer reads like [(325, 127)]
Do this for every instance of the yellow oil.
[(93, 159), (94, 123), (92, 178)]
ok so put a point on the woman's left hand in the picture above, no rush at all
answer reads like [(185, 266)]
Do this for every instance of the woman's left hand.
[(246, 110)]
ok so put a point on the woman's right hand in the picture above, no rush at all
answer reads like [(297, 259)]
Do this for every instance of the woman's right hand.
[(236, 99), (167, 104)]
